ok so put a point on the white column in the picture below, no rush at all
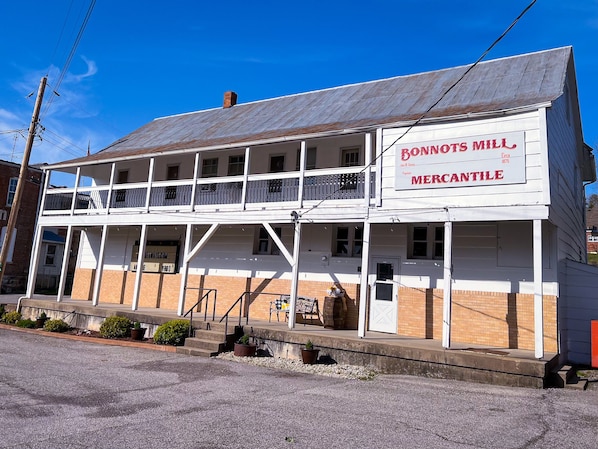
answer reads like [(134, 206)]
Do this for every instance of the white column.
[(448, 277), (150, 179), (295, 278), (379, 167), (110, 187), (65, 263), (368, 168), (35, 254), (99, 267), (538, 291), (245, 178), (195, 176), (137, 289), (302, 156), (75, 193), (364, 285), (185, 269)]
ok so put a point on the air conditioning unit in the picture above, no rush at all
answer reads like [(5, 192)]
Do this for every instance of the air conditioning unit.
[(168, 268)]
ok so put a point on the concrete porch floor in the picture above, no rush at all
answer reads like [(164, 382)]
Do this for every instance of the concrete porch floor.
[(388, 353)]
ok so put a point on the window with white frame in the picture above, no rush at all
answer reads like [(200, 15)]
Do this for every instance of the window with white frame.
[(348, 241), (50, 255), (209, 169), (236, 165), (12, 189), (349, 158), (310, 159), (426, 242), (264, 243)]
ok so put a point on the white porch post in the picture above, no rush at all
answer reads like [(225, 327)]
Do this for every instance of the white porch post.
[(302, 156), (99, 267), (194, 186), (364, 285), (150, 180), (448, 277), (110, 188), (75, 193), (65, 263), (36, 250), (137, 289), (379, 167), (368, 168), (295, 278), (538, 291), (185, 269), (245, 178)]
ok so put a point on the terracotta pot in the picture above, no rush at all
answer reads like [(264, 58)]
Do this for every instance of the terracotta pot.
[(39, 322), (138, 334), (244, 350), (309, 356)]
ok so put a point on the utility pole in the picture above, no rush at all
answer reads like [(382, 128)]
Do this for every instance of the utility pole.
[(16, 203)]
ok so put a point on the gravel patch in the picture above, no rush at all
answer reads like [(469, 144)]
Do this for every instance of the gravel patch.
[(330, 370)]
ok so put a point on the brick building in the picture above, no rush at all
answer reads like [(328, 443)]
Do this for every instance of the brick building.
[(17, 266)]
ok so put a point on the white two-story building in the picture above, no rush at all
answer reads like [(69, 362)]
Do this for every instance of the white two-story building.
[(444, 207)]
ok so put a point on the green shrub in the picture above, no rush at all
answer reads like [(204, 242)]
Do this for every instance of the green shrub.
[(56, 326), (172, 332), (2, 311), (11, 317), (116, 327), (30, 324)]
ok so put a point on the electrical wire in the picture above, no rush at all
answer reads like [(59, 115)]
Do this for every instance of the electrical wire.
[(424, 115)]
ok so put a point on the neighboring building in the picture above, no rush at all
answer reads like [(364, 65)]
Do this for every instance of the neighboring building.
[(592, 230), (454, 226), (17, 262)]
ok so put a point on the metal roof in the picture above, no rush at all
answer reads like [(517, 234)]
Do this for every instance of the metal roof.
[(492, 86)]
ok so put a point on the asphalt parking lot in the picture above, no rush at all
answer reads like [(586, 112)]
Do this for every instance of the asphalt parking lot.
[(70, 394)]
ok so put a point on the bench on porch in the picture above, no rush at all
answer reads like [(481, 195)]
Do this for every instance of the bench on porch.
[(305, 306)]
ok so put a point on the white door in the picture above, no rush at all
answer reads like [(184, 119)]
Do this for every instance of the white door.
[(384, 295)]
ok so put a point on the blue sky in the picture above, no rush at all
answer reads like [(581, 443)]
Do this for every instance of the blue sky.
[(138, 60)]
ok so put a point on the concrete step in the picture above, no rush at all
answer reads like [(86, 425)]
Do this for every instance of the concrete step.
[(211, 335), (209, 345), (198, 352)]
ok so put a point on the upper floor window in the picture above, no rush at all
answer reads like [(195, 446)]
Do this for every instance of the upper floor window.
[(349, 158), (348, 241), (209, 169), (426, 242), (12, 188), (236, 165), (264, 243)]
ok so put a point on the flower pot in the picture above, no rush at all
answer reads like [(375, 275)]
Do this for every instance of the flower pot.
[(39, 322), (309, 356), (244, 350), (138, 334)]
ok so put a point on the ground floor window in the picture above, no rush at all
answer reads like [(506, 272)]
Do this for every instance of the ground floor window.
[(426, 241), (264, 243), (348, 241)]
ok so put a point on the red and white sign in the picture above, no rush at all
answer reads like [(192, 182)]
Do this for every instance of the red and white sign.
[(471, 161)]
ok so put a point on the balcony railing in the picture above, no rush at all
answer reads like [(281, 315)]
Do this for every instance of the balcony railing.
[(348, 183)]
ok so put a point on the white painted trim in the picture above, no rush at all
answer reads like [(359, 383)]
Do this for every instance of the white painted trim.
[(364, 285), (379, 167), (295, 278), (139, 273), (184, 271), (99, 267), (36, 250), (279, 243), (110, 187), (447, 294), (545, 164), (302, 157), (194, 186), (368, 168), (245, 177), (538, 292), (202, 242), (77, 180), (65, 263)]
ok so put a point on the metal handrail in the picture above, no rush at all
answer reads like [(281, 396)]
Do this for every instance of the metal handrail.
[(240, 302), (198, 303)]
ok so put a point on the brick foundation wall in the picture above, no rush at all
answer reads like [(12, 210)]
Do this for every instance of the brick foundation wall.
[(485, 318)]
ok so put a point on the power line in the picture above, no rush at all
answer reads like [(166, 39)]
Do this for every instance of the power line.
[(422, 116)]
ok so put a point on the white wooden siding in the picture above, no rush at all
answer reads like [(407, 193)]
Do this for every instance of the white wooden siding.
[(533, 192)]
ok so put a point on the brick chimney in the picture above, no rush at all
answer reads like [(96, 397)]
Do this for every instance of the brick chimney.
[(230, 99)]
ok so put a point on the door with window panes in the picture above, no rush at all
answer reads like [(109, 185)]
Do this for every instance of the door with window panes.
[(384, 282)]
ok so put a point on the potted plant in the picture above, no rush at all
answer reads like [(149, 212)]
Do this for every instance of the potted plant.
[(244, 348), (309, 355), (41, 320), (137, 332)]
